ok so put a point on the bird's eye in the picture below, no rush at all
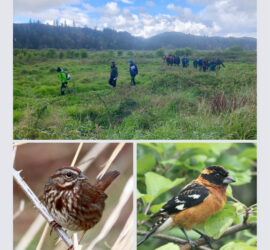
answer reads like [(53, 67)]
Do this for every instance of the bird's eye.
[(68, 174)]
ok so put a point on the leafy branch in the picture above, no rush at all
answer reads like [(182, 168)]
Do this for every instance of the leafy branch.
[(202, 241)]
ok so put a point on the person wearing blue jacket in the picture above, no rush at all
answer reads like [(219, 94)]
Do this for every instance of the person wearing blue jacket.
[(133, 70)]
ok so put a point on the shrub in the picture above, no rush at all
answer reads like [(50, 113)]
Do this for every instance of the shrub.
[(61, 54), (83, 53), (51, 53), (160, 52), (236, 49), (69, 53), (188, 51), (130, 53), (120, 52)]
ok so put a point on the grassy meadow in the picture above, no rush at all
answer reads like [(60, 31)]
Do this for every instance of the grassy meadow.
[(167, 102)]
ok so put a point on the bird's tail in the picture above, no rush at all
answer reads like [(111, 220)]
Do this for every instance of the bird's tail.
[(160, 225), (106, 180)]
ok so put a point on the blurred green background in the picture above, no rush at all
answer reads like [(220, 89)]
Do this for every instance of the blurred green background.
[(163, 169)]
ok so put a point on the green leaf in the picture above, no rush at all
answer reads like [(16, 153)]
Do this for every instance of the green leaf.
[(147, 198), (220, 222), (192, 152), (146, 163), (174, 162), (237, 246), (217, 148), (139, 194), (229, 191), (250, 153), (159, 149), (156, 208), (239, 212), (142, 216), (169, 246), (230, 162), (241, 178), (157, 184), (184, 146)]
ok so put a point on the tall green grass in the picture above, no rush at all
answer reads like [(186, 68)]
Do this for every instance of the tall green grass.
[(166, 103)]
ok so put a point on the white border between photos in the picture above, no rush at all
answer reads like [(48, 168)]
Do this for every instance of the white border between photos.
[(6, 181)]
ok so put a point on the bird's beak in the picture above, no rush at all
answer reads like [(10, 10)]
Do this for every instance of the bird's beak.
[(83, 177), (228, 179)]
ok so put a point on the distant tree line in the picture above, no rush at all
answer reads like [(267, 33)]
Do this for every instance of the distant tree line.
[(40, 36)]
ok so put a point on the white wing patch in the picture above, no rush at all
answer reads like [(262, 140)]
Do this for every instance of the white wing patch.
[(167, 225), (194, 196), (180, 207)]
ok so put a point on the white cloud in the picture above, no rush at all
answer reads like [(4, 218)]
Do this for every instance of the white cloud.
[(22, 6), (232, 16), (150, 4), (221, 17), (65, 15), (111, 8), (126, 1), (216, 17)]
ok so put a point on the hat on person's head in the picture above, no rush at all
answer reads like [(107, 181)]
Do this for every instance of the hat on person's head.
[(131, 61), (58, 69)]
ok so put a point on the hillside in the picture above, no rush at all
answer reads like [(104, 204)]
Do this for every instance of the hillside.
[(40, 36)]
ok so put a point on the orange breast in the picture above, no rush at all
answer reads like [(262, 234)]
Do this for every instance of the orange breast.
[(197, 215)]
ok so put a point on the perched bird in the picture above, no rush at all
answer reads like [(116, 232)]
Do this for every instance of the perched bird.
[(196, 202), (73, 202)]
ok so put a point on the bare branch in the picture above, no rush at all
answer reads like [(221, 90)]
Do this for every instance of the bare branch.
[(42, 209), (202, 241), (20, 210), (115, 214), (77, 154), (42, 238), (93, 154), (115, 153)]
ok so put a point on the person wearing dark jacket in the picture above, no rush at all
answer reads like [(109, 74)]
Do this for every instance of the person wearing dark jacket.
[(177, 60), (195, 63), (114, 75), (200, 63), (133, 70)]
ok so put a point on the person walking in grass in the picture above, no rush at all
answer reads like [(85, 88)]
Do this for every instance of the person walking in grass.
[(114, 75), (63, 78), (133, 70)]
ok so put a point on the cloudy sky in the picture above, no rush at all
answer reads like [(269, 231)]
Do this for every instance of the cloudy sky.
[(147, 18)]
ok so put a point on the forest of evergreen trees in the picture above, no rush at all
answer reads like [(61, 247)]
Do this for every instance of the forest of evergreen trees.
[(40, 36)]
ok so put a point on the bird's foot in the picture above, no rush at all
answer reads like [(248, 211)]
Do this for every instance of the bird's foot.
[(192, 244), (208, 240), (54, 225)]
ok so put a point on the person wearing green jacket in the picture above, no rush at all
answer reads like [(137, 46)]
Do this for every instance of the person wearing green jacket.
[(63, 79)]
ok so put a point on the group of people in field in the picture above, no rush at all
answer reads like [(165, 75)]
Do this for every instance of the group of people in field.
[(133, 71), (203, 64), (172, 59)]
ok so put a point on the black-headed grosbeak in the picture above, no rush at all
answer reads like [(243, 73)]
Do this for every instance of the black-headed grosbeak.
[(196, 202)]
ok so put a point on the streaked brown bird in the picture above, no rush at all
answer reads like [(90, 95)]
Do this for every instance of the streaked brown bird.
[(73, 202)]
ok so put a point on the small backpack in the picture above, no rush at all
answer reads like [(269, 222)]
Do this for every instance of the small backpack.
[(67, 76)]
